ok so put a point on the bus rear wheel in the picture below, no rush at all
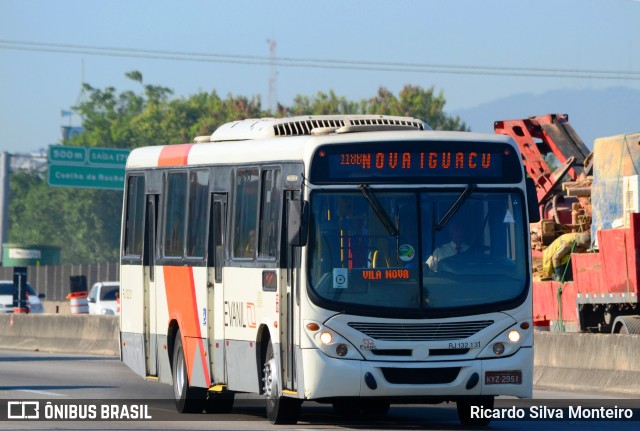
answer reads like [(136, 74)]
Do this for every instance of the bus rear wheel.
[(188, 399), (464, 411), (280, 410)]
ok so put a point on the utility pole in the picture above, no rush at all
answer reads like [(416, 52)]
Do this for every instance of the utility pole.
[(5, 165)]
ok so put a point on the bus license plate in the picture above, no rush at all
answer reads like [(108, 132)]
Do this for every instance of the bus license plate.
[(503, 377)]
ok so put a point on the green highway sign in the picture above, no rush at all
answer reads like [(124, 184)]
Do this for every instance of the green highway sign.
[(92, 177), (67, 155), (108, 156), (80, 167)]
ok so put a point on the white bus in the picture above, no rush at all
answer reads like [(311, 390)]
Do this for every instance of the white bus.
[(353, 260)]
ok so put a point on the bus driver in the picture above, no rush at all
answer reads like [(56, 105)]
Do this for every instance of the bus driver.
[(451, 248)]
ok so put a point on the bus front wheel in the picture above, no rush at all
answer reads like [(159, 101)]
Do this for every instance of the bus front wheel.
[(370, 408), (280, 410), (188, 399)]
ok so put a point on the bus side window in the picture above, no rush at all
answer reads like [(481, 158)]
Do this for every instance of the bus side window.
[(198, 203), (246, 209), (216, 248), (271, 203), (174, 218), (134, 218)]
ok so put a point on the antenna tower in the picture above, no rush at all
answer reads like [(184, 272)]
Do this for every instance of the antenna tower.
[(273, 74)]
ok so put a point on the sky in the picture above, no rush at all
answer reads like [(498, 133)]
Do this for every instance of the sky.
[(472, 51)]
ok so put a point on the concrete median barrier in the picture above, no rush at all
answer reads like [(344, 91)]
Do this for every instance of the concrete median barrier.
[(606, 363), (88, 334), (563, 361)]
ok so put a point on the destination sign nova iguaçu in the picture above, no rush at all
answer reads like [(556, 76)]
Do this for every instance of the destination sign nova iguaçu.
[(379, 161), (351, 163)]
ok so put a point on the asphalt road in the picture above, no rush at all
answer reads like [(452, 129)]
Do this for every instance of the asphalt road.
[(84, 381)]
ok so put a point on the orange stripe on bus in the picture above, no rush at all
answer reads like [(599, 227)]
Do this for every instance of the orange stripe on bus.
[(174, 155), (181, 301)]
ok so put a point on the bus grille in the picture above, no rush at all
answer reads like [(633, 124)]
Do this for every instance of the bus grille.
[(420, 376), (421, 331)]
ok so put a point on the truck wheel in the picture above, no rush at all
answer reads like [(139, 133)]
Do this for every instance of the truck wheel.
[(280, 410), (188, 399), (627, 325), (464, 411)]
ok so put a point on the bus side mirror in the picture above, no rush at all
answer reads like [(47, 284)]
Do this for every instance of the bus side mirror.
[(532, 201), (298, 222)]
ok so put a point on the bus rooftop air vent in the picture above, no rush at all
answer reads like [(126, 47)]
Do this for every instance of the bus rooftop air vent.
[(304, 125)]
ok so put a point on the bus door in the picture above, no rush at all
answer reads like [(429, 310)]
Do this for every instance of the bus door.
[(215, 301), (289, 314), (150, 312)]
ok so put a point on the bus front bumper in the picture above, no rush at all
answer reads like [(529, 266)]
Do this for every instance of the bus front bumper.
[(326, 377)]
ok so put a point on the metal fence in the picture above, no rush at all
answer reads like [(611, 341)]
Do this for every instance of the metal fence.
[(55, 280)]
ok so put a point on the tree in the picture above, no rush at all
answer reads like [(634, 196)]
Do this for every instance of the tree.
[(322, 104), (86, 223), (415, 102)]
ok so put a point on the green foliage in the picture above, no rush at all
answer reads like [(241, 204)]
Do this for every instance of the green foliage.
[(322, 104), (86, 223), (413, 101)]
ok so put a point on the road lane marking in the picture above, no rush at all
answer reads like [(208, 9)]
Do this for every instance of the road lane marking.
[(35, 391)]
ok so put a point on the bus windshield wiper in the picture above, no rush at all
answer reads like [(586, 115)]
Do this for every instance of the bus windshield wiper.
[(454, 208), (380, 212)]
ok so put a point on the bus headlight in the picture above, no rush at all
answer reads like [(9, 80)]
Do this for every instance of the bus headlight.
[(505, 344), (326, 337), (330, 342), (514, 336)]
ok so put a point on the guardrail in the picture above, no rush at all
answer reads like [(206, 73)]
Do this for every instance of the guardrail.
[(563, 361), (587, 362)]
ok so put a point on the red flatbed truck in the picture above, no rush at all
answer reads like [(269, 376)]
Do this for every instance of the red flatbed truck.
[(591, 191)]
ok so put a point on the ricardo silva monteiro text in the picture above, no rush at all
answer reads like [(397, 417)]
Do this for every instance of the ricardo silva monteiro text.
[(544, 412)]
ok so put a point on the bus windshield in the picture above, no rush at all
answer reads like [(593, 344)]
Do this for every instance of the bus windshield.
[(476, 258)]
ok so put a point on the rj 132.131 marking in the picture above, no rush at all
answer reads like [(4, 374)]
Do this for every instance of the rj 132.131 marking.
[(465, 345)]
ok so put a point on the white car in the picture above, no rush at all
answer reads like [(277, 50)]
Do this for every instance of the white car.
[(34, 305), (103, 298)]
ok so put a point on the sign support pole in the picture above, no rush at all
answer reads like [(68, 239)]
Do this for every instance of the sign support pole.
[(5, 166)]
